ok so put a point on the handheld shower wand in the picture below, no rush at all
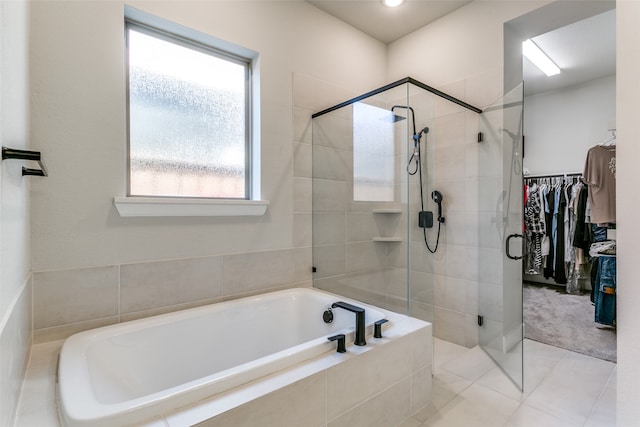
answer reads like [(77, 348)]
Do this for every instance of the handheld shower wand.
[(437, 197), (425, 219)]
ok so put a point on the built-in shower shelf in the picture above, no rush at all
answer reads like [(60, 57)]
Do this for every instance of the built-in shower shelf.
[(387, 239), (387, 211)]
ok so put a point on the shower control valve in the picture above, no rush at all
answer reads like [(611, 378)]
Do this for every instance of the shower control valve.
[(425, 219)]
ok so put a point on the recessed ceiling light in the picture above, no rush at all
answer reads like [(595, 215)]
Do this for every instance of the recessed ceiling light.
[(392, 3), (539, 58)]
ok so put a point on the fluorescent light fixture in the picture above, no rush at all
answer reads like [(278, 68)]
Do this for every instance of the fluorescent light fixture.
[(539, 58), (392, 3)]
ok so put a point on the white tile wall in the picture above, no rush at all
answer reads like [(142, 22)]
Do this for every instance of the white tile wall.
[(144, 286), (302, 194), (302, 230), (330, 228), (302, 165), (301, 403), (92, 297), (388, 408), (358, 379), (15, 343), (70, 296), (259, 270)]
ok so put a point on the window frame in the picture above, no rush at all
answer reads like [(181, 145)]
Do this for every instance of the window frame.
[(178, 38)]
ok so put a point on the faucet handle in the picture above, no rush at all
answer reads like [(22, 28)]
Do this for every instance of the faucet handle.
[(377, 328), (341, 342)]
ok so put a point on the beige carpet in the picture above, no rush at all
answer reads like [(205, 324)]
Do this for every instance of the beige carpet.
[(554, 317)]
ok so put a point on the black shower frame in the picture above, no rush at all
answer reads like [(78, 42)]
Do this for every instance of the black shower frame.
[(395, 84)]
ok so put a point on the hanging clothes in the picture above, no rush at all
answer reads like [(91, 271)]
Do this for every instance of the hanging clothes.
[(600, 176), (550, 215), (534, 229), (550, 202), (582, 235), (566, 222), (574, 256), (560, 275)]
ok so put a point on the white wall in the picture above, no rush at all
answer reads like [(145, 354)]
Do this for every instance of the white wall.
[(628, 205), (560, 126), (79, 123), (92, 267), (15, 296), (466, 45)]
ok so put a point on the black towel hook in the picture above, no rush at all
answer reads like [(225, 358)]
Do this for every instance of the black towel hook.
[(13, 153)]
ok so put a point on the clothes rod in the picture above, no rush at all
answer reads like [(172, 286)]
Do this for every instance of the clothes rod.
[(555, 175), (35, 156)]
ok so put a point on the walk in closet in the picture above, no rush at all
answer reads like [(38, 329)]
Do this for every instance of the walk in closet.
[(569, 249)]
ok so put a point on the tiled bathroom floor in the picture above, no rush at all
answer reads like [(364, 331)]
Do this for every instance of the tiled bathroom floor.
[(562, 389)]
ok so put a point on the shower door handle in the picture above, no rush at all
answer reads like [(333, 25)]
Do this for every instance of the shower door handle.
[(507, 246)]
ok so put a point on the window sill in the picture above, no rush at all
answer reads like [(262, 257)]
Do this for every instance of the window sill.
[(172, 206)]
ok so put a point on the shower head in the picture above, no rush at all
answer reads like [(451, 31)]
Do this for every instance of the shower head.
[(397, 118)]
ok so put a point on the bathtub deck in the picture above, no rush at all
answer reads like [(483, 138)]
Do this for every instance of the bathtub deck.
[(37, 402), (332, 389)]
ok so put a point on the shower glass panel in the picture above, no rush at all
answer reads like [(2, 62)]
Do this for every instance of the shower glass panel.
[(365, 204), (500, 205)]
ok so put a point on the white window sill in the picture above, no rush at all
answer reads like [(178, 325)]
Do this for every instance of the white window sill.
[(174, 206)]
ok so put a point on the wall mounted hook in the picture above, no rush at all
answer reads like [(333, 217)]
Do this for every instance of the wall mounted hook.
[(13, 153)]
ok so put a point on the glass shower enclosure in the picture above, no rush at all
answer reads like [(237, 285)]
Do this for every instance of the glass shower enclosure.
[(382, 235), (362, 201), (372, 161)]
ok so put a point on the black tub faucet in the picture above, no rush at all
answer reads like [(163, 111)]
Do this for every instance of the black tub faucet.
[(359, 312)]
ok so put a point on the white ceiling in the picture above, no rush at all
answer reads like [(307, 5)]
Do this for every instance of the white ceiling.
[(385, 23), (584, 50)]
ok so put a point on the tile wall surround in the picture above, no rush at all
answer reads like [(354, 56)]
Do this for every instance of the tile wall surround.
[(15, 341), (70, 301)]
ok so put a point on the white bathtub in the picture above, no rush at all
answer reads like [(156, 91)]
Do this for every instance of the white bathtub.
[(127, 373)]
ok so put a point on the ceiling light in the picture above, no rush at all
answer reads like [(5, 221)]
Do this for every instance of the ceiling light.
[(539, 58), (392, 3)]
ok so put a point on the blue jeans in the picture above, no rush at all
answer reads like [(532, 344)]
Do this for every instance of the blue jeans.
[(598, 233), (605, 298)]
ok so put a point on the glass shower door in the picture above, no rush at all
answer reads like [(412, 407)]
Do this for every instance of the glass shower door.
[(500, 228)]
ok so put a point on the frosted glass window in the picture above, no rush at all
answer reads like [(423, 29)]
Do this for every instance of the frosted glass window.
[(373, 154), (188, 118)]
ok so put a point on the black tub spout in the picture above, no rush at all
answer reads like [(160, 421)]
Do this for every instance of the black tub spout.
[(359, 312)]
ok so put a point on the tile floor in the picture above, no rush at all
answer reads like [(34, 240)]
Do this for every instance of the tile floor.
[(562, 389)]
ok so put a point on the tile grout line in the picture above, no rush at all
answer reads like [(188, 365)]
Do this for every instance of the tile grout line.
[(604, 388)]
